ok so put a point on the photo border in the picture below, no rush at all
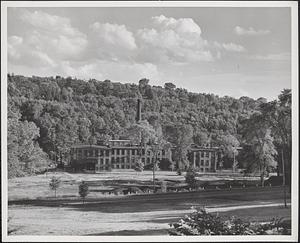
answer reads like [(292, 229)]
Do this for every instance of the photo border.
[(295, 122)]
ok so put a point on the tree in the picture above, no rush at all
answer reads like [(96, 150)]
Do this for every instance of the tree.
[(278, 115), (141, 133), (170, 86), (54, 184), (190, 178), (139, 165), (229, 146), (83, 190), (258, 136), (181, 137)]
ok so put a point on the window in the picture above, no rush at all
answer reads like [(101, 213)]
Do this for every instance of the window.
[(143, 151), (107, 153), (201, 169), (148, 160), (207, 154), (85, 153), (123, 160), (202, 162), (207, 162), (107, 161), (143, 160), (118, 160), (163, 152), (118, 166), (123, 151), (123, 166), (113, 160), (118, 151), (202, 154)]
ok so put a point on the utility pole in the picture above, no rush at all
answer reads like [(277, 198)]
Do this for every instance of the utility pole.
[(283, 178)]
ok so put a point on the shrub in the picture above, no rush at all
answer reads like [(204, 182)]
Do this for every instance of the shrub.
[(139, 166), (54, 184), (190, 178), (83, 190), (202, 223)]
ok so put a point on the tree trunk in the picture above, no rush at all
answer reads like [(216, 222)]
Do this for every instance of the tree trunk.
[(262, 179)]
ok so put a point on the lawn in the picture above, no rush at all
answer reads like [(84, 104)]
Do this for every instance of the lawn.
[(33, 187), (125, 215)]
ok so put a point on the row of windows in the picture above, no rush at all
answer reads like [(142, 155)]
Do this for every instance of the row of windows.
[(206, 154), (124, 160), (96, 152), (202, 163)]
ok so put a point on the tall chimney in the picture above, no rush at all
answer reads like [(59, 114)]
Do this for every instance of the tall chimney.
[(139, 111)]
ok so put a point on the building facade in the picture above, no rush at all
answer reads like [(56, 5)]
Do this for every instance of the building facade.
[(117, 154), (122, 154), (204, 159)]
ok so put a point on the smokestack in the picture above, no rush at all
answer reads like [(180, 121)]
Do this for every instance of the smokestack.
[(139, 111)]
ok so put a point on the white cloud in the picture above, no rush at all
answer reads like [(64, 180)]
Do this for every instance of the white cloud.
[(114, 71), (232, 47), (53, 35), (273, 57), (250, 32), (176, 40), (113, 34), (181, 26)]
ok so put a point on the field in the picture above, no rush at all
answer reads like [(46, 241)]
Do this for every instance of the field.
[(34, 211)]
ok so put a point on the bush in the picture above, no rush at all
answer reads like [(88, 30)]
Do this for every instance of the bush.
[(139, 166), (54, 184), (190, 178), (202, 223), (83, 190)]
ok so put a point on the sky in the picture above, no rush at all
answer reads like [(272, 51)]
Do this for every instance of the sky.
[(230, 51)]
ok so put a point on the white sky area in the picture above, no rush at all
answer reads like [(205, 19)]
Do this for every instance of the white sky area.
[(225, 51)]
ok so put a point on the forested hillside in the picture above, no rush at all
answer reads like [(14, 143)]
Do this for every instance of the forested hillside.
[(48, 115)]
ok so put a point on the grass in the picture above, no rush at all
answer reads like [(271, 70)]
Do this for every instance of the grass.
[(33, 187), (143, 215)]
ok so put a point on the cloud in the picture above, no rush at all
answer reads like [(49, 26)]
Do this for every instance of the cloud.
[(250, 32), (285, 56), (175, 40), (231, 47), (181, 26), (101, 70), (114, 34), (53, 35), (20, 53)]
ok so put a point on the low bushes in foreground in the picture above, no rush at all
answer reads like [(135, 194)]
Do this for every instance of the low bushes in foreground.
[(201, 222)]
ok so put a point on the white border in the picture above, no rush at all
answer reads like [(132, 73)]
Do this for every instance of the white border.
[(295, 122)]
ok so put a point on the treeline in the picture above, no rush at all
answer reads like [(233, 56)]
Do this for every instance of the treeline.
[(48, 115)]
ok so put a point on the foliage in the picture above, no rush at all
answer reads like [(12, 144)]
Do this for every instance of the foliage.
[(139, 165), (201, 222), (181, 137), (54, 184), (83, 190), (258, 136), (190, 178), (57, 112)]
